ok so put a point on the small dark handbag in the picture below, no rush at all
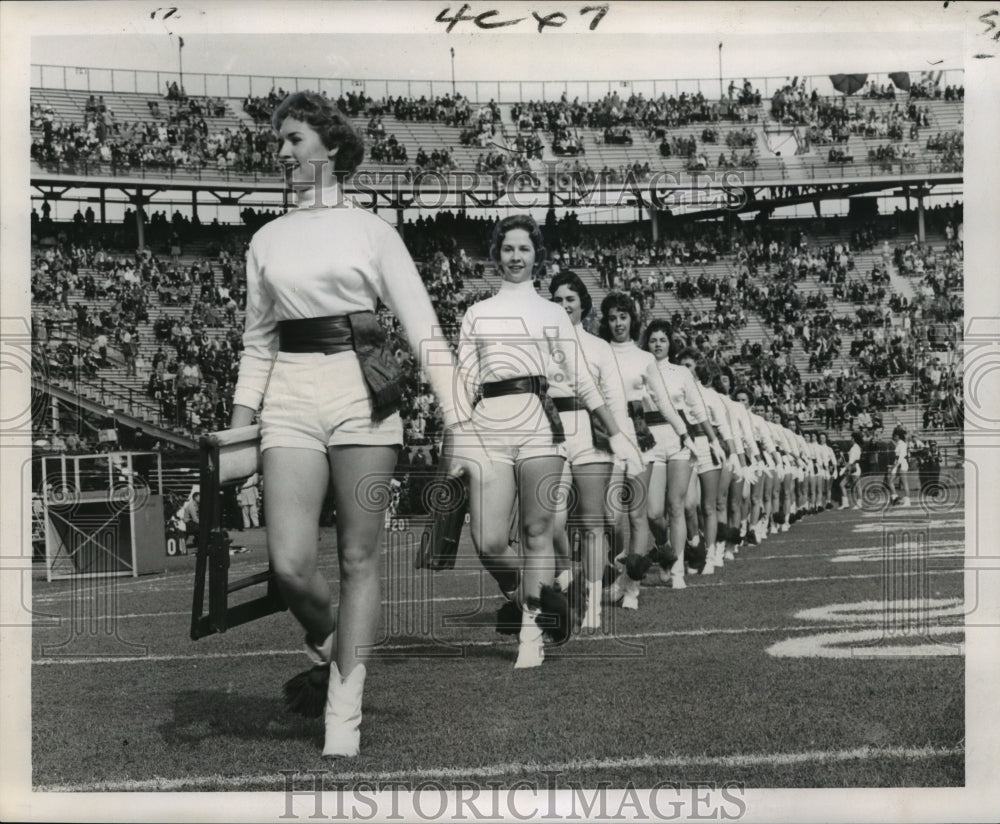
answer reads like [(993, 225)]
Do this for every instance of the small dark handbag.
[(643, 436), (599, 435), (383, 375)]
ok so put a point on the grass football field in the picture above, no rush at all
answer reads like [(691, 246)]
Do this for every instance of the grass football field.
[(828, 656)]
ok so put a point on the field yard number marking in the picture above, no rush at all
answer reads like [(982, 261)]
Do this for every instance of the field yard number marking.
[(904, 629), (933, 549)]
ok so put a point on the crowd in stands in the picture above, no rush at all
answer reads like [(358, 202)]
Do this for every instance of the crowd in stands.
[(387, 150), (858, 361), (614, 111), (687, 147), (180, 140), (190, 383)]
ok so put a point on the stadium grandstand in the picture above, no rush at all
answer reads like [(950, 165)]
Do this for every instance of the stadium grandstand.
[(838, 318)]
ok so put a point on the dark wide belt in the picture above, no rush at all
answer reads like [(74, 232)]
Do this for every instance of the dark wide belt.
[(643, 436), (655, 418), (329, 335), (533, 385), (569, 404), (599, 436), (361, 332), (692, 431)]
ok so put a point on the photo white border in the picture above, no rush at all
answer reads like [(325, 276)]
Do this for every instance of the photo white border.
[(19, 22)]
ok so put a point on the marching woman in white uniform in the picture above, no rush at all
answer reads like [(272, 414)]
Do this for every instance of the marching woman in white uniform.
[(760, 509), (853, 470), (828, 469), (752, 473), (742, 474), (784, 491), (589, 461), (672, 468), (719, 417), (900, 467), (709, 456), (512, 348), (314, 355), (645, 391)]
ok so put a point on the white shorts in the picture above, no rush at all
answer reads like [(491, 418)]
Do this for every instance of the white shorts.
[(648, 456), (668, 444), (314, 401), (579, 439), (703, 454), (511, 428)]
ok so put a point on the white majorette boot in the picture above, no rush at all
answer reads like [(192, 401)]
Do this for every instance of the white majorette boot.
[(531, 646), (343, 713), (592, 611), (630, 599)]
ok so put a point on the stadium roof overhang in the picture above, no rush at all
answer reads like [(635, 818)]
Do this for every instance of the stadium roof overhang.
[(692, 195)]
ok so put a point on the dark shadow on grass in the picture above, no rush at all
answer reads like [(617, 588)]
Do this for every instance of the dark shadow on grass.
[(200, 715)]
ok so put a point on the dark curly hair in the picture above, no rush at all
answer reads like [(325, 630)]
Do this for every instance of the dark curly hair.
[(657, 325), (573, 281), (528, 224), (621, 301), (706, 372), (688, 352), (744, 390), (334, 128)]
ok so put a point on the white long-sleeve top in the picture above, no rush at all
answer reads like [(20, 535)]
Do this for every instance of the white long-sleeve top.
[(742, 416), (644, 383), (780, 435), (314, 262), (516, 334), (853, 454), (803, 451), (762, 432), (683, 391), (600, 362), (810, 450), (831, 457), (718, 413)]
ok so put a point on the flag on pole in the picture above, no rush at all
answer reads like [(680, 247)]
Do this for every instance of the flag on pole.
[(182, 41), (901, 80)]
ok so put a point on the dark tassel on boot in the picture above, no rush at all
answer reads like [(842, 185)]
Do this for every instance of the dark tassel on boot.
[(305, 693)]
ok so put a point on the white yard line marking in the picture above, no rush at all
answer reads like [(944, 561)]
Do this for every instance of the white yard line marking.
[(717, 584), (305, 782), (453, 642), (870, 644)]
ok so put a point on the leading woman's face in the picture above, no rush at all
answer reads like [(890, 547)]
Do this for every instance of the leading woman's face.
[(570, 301), (306, 160), (517, 256)]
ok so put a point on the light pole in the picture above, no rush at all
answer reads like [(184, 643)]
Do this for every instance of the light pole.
[(720, 71), (452, 71), (180, 62)]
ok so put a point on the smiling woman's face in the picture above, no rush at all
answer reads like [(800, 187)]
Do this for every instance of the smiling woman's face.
[(620, 324), (517, 256), (306, 161)]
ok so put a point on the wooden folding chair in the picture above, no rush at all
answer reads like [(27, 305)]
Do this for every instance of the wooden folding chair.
[(227, 458)]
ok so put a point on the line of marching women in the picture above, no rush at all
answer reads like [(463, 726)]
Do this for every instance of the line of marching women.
[(583, 441), (718, 472)]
